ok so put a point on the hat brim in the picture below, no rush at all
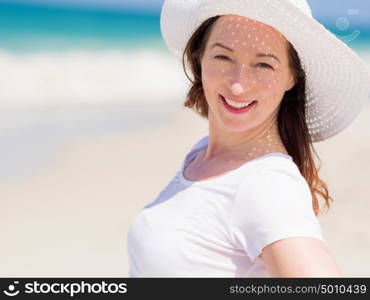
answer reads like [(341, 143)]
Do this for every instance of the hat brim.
[(337, 80)]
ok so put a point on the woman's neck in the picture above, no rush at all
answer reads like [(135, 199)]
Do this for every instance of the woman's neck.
[(261, 141)]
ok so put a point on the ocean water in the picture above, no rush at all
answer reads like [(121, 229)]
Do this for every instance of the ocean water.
[(34, 28), (26, 28)]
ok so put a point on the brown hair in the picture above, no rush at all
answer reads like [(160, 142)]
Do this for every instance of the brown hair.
[(296, 138)]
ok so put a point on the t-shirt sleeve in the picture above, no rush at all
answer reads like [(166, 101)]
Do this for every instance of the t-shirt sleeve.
[(270, 206)]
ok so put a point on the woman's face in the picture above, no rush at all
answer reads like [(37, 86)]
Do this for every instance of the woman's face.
[(233, 67)]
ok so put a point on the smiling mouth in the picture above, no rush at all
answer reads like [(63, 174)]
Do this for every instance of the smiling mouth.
[(237, 110)]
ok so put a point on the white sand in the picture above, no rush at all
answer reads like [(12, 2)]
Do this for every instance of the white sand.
[(85, 77), (71, 218)]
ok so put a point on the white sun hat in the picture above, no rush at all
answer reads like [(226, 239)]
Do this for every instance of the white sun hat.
[(337, 80)]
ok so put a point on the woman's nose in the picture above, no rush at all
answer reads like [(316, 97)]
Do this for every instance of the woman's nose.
[(237, 88), (239, 81)]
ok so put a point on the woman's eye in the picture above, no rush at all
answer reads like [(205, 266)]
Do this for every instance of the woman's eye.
[(221, 57), (265, 65)]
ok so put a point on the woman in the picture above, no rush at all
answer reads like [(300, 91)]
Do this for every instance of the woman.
[(270, 80)]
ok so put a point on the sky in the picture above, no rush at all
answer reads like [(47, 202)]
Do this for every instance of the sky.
[(320, 8)]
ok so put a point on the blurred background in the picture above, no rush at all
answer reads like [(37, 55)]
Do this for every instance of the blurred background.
[(92, 128)]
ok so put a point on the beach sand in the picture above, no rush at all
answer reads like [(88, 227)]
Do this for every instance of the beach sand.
[(71, 218)]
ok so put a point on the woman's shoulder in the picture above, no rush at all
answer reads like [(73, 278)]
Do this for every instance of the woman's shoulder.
[(273, 194), (281, 166), (273, 172)]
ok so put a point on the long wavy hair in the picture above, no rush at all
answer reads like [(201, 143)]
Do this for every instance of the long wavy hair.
[(292, 111)]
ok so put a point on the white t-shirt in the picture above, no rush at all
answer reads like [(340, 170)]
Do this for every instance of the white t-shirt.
[(218, 227)]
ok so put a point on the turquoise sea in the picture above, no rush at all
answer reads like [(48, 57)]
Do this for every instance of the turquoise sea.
[(29, 28)]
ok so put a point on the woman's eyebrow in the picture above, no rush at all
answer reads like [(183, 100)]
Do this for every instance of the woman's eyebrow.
[(222, 46), (267, 55), (257, 55)]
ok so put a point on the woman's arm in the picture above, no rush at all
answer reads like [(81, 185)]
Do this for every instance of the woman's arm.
[(299, 257)]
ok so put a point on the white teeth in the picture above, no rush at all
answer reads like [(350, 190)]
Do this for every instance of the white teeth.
[(237, 105)]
